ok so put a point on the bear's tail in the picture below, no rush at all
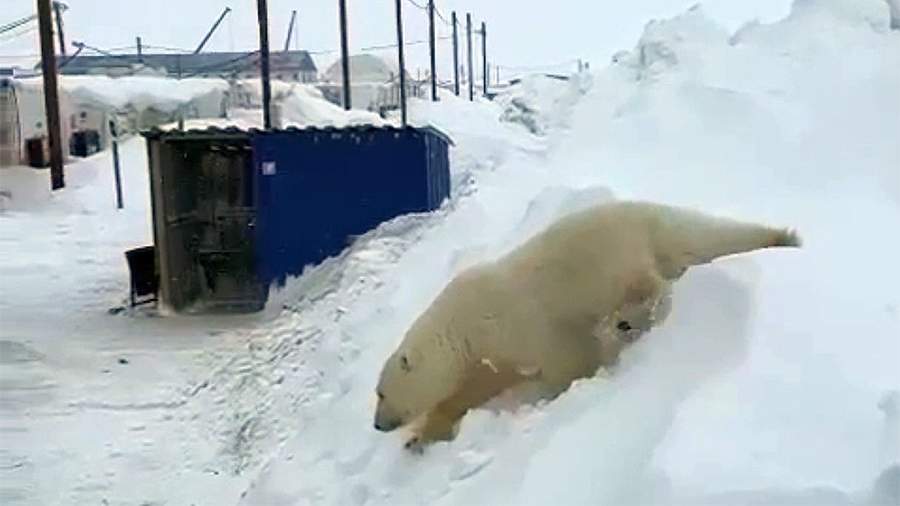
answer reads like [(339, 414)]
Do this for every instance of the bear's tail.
[(690, 238)]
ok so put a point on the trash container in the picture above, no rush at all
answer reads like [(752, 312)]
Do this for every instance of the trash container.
[(84, 143), (144, 278)]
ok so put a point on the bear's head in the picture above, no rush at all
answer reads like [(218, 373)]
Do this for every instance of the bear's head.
[(416, 377)]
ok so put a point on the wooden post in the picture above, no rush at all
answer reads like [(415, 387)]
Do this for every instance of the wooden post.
[(455, 55), (431, 48), (484, 61), (51, 94), (58, 9), (399, 10), (287, 40), (118, 173), (263, 20), (140, 49), (212, 30), (469, 44), (345, 53)]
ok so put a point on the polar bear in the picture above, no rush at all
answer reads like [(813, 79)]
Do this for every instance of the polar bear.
[(557, 308)]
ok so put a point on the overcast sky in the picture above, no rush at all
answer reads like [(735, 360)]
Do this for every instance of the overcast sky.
[(520, 32)]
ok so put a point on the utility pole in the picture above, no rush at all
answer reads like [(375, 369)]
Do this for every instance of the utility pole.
[(455, 56), (345, 53), (287, 40), (263, 20), (140, 49), (484, 62), (432, 50), (116, 166), (59, 8), (469, 44), (402, 63), (212, 30), (51, 94)]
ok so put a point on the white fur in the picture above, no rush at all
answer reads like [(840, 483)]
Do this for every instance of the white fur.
[(555, 307)]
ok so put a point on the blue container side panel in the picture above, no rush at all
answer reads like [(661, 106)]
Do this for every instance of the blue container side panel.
[(318, 189), (439, 170)]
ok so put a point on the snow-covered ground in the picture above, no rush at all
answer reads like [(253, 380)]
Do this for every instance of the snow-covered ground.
[(775, 380)]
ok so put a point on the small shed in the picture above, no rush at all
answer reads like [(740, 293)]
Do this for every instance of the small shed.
[(22, 119), (235, 211)]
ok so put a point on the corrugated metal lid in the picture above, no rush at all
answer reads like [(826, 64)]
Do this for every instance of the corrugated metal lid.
[(235, 132)]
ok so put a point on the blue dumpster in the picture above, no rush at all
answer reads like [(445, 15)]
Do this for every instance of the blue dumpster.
[(235, 211), (316, 188)]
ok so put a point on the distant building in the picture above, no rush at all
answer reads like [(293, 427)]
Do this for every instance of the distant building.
[(16, 72), (22, 119), (88, 103), (285, 65), (374, 84)]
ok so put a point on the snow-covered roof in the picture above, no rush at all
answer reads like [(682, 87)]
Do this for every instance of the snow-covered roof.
[(365, 68), (137, 91), (190, 64)]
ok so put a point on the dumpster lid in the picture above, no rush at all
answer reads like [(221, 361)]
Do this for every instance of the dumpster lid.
[(232, 132)]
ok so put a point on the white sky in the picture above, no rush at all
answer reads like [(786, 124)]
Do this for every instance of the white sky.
[(520, 32)]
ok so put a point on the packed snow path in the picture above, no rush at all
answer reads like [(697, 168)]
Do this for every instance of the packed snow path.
[(774, 381)]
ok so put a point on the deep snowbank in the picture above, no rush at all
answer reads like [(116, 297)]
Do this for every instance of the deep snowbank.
[(540, 102), (765, 385)]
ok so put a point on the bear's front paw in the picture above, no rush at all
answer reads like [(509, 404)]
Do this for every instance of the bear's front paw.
[(415, 445)]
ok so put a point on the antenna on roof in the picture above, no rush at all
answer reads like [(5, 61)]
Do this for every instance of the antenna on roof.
[(212, 30), (287, 40)]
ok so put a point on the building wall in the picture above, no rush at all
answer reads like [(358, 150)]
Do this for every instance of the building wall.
[(23, 117), (10, 145)]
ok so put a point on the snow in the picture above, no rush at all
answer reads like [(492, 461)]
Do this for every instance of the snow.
[(303, 105), (140, 92), (774, 381), (540, 102)]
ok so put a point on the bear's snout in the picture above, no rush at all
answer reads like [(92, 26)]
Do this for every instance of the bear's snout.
[(386, 426), (386, 419)]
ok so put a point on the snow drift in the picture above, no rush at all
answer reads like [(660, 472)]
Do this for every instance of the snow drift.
[(765, 384)]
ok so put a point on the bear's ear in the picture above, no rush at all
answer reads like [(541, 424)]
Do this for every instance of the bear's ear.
[(404, 363)]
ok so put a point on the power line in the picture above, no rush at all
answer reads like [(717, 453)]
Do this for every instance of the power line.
[(420, 6), (221, 65), (410, 43), (440, 15), (5, 38), (17, 23), (166, 48), (437, 11)]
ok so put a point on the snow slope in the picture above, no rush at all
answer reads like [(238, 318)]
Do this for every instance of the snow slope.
[(190, 405), (765, 385)]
